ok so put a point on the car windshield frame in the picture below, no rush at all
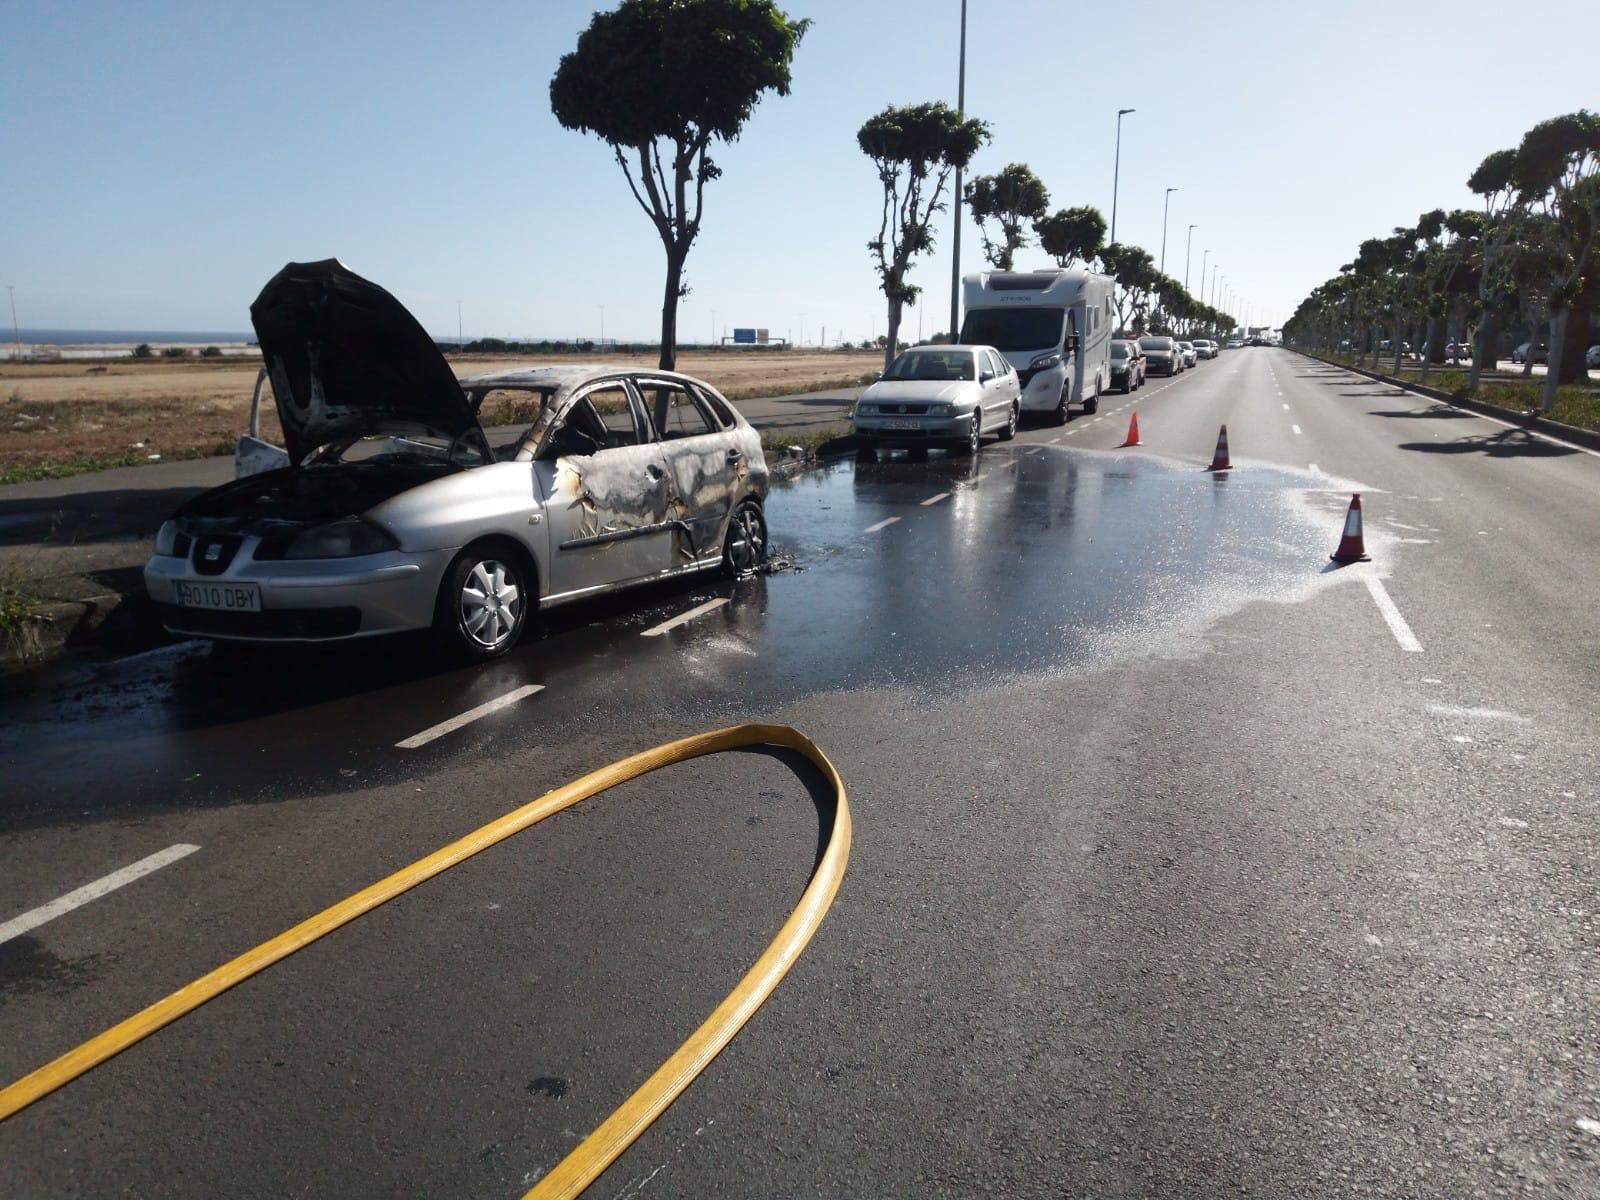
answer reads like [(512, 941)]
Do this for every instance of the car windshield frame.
[(1015, 328), (917, 366)]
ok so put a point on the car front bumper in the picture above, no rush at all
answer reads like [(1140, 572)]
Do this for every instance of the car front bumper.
[(305, 600), (910, 431)]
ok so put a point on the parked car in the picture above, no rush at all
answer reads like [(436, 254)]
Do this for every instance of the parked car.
[(948, 396), (1540, 353), (1127, 365), (1161, 354), (393, 512), (1592, 358), (1206, 348), (1191, 356), (1235, 344)]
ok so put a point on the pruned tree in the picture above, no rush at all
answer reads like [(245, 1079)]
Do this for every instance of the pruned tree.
[(1558, 175), (1013, 199), (1071, 235), (914, 148), (1134, 273), (1503, 213), (659, 81)]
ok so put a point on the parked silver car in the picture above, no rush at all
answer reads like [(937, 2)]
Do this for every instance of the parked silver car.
[(940, 396), (394, 512)]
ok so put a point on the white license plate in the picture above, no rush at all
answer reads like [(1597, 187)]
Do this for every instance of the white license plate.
[(220, 597), (902, 424)]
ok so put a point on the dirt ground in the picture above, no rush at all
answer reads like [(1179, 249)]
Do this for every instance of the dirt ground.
[(129, 410)]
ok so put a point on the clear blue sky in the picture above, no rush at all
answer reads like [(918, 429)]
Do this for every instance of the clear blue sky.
[(159, 161)]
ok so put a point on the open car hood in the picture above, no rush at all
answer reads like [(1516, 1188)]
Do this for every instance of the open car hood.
[(348, 361)]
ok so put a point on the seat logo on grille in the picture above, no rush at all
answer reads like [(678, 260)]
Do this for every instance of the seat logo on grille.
[(213, 552)]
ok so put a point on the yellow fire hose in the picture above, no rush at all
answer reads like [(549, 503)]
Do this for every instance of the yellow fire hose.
[(618, 1131)]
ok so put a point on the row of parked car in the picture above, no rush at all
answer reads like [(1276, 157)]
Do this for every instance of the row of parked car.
[(1133, 360)]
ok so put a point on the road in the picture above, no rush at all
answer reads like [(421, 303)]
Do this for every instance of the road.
[(1186, 862)]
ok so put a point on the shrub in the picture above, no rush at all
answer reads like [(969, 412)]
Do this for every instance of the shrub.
[(211, 352), (174, 352), (142, 350)]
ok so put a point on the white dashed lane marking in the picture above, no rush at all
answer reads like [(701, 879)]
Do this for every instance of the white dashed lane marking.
[(1391, 615), (935, 499), (106, 884), (883, 524), (471, 715), (1296, 428), (698, 610)]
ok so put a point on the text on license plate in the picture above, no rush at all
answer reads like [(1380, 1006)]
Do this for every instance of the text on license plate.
[(224, 597), (902, 424)]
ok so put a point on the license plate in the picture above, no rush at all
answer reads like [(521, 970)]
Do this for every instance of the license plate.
[(902, 424), (220, 597)]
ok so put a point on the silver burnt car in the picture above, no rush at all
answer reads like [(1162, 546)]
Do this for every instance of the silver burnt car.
[(392, 510)]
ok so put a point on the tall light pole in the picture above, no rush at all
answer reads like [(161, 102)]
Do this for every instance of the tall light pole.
[(1188, 249), (955, 240), (1116, 172), (1166, 201), (1203, 258)]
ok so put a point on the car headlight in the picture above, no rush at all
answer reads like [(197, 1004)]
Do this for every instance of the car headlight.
[(1045, 361), (866, 410), (341, 539), (167, 538), (940, 410)]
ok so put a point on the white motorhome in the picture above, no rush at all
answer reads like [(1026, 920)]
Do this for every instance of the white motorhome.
[(1053, 326)]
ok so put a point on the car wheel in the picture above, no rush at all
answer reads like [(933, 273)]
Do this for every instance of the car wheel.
[(484, 602), (1092, 404), (1010, 431), (1059, 414), (745, 547), (974, 441)]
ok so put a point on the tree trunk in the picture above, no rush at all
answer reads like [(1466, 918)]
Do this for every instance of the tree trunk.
[(1399, 340), (1487, 352), (669, 309), (1558, 342), (894, 332), (1437, 327), (1572, 364)]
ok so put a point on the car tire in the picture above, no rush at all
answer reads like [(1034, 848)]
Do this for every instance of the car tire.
[(1092, 404), (744, 548), (1059, 414), (974, 442), (484, 601), (1012, 421)]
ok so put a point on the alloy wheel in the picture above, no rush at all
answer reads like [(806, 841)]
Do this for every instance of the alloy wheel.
[(490, 603)]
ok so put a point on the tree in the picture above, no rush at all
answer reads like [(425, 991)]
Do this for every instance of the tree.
[(1495, 181), (1071, 234), (660, 80), (1558, 175), (1135, 274), (1010, 199), (914, 148)]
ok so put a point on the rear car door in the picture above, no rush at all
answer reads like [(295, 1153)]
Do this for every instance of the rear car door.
[(704, 464), (607, 495)]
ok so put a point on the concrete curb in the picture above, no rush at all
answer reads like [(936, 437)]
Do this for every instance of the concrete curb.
[(1532, 421)]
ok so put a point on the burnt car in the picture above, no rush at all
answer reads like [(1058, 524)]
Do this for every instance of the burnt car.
[(392, 511)]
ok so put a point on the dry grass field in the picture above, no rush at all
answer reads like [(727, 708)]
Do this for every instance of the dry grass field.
[(58, 418)]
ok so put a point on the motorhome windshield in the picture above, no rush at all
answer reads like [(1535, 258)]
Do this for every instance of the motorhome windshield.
[(1013, 328)]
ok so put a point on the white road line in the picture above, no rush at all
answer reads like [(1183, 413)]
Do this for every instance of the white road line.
[(1314, 467), (1285, 408), (935, 499), (1054, 440), (1391, 614), (698, 610), (1478, 714), (883, 524), (18, 926), (471, 715), (1296, 428)]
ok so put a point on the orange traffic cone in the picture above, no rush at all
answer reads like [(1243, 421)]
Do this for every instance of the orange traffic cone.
[(1219, 460), (1352, 548), (1133, 431)]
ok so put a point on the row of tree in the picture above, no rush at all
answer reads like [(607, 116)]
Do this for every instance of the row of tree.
[(659, 81), (1525, 259)]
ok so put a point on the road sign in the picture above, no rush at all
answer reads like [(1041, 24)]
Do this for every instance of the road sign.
[(744, 337)]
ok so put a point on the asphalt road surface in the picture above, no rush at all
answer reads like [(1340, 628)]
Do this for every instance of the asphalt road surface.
[(1186, 862)]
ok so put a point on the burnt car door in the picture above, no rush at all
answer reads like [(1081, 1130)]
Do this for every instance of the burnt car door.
[(606, 493), (704, 463)]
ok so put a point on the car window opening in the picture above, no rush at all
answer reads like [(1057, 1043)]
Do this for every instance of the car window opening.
[(931, 365)]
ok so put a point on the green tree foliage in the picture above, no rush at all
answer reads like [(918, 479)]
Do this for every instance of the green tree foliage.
[(1071, 235), (1134, 274), (659, 81), (1013, 199), (914, 148)]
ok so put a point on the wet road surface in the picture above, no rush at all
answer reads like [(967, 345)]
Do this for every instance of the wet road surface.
[(1177, 871)]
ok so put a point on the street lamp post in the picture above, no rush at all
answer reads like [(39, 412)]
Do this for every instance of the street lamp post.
[(1116, 172), (1203, 257), (1188, 249), (1164, 205), (955, 240)]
